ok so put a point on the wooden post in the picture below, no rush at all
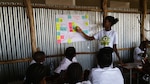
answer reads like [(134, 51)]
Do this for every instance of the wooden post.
[(144, 12), (32, 28), (104, 7)]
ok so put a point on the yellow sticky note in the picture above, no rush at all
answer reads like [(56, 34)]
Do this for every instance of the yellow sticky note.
[(73, 23), (73, 31), (58, 38), (60, 20), (86, 23), (86, 16), (69, 40), (58, 26)]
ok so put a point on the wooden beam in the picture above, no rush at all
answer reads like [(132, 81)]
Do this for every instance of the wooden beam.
[(144, 12), (104, 8), (50, 56), (32, 28)]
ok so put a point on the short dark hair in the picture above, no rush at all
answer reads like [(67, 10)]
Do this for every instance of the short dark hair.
[(74, 73), (38, 56), (70, 52), (144, 44), (111, 19), (104, 57), (35, 73)]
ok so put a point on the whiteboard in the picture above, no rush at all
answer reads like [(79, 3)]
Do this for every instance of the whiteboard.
[(66, 24)]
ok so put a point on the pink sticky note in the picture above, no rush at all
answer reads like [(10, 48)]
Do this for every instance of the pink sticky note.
[(62, 37), (70, 24), (71, 30), (58, 41)]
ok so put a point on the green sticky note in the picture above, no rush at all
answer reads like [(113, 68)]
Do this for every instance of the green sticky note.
[(65, 28), (57, 20), (85, 31), (58, 33), (69, 16), (83, 17)]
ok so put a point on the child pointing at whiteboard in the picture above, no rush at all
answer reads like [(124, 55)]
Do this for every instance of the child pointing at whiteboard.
[(107, 37)]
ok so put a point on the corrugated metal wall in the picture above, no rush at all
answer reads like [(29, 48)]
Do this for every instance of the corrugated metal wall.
[(15, 40), (46, 34), (128, 29), (147, 27)]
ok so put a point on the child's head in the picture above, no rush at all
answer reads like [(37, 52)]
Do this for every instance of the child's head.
[(70, 52), (35, 74), (144, 44), (74, 73), (39, 56), (104, 57), (109, 21)]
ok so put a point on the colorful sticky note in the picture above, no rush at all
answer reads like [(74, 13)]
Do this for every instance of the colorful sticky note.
[(58, 41), (86, 16), (86, 23), (69, 40), (57, 20), (74, 30), (69, 16), (58, 33), (60, 20), (65, 28), (58, 26), (58, 38), (62, 36), (71, 30), (73, 24), (85, 31), (83, 17), (70, 24), (61, 28), (74, 27)]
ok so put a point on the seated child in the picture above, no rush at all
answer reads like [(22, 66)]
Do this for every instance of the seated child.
[(35, 74), (74, 74), (70, 54), (38, 57), (104, 73)]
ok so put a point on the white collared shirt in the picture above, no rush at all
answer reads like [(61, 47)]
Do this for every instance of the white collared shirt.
[(64, 64), (106, 75), (138, 54)]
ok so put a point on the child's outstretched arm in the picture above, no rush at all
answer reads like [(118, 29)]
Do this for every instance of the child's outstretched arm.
[(78, 29)]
